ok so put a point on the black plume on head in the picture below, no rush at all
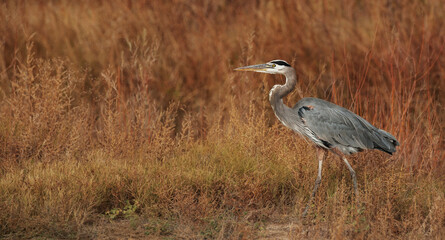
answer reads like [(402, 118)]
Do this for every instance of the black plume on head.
[(281, 62)]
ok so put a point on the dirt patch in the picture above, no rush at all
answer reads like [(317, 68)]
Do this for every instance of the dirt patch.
[(120, 229), (277, 228), (279, 231)]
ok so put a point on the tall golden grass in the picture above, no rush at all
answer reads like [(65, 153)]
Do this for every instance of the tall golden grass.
[(130, 111)]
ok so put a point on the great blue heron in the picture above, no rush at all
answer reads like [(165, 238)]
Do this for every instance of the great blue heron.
[(329, 126)]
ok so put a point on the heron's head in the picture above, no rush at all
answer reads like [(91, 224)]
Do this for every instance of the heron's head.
[(272, 67)]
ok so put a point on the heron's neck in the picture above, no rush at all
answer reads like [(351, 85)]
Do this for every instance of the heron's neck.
[(276, 95), (278, 92)]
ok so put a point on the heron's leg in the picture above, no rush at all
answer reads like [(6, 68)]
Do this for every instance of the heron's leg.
[(354, 179), (321, 155)]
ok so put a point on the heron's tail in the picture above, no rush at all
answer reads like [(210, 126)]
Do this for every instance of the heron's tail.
[(386, 142)]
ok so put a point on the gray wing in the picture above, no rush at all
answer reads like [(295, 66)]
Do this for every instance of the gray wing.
[(338, 127)]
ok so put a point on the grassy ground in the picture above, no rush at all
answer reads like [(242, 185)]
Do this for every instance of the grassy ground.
[(126, 119)]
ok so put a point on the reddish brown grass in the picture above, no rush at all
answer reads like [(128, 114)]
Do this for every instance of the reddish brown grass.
[(130, 111)]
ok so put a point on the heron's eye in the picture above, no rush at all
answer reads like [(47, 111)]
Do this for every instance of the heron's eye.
[(273, 65)]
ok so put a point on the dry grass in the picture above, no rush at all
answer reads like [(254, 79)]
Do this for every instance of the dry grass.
[(128, 114)]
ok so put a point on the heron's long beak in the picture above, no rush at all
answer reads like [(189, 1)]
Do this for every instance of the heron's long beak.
[(254, 68)]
